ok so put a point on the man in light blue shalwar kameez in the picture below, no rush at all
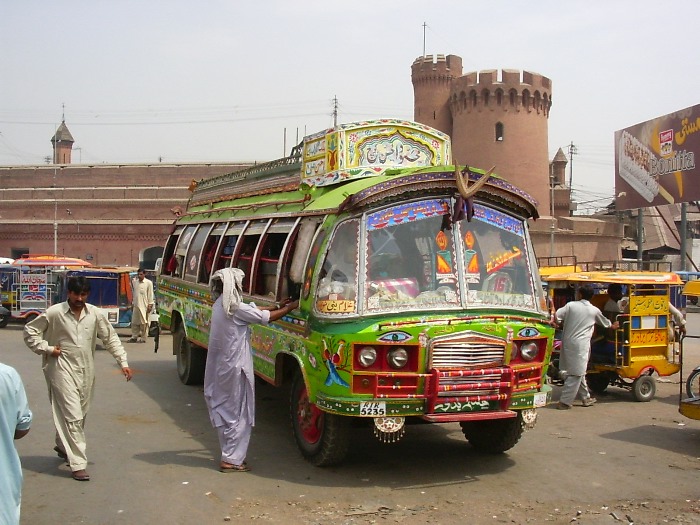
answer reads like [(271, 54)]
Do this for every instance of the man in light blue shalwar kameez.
[(229, 383), (15, 420)]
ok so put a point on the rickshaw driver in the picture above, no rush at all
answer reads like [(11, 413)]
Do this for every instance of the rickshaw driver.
[(579, 318)]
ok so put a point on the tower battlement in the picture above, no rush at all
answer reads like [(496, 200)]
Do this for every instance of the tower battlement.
[(436, 66), (506, 88)]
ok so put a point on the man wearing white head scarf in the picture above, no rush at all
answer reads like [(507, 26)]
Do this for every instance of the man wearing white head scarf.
[(229, 383)]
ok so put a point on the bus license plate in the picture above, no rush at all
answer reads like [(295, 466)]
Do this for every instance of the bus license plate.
[(540, 399), (373, 408)]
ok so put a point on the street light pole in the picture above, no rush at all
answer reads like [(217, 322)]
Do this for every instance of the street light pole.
[(551, 212)]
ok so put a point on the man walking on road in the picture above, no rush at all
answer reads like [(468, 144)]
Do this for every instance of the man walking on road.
[(579, 318), (143, 304), (65, 336), (15, 420)]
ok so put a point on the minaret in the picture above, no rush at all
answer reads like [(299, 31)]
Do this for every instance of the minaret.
[(62, 144)]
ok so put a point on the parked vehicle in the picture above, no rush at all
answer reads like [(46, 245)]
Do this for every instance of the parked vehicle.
[(110, 290), (32, 283), (690, 276), (420, 298), (689, 405), (647, 342)]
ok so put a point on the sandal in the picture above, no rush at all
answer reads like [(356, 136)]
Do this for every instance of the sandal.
[(243, 467), (80, 475)]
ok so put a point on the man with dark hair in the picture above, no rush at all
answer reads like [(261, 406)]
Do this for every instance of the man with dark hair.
[(65, 336), (579, 318), (143, 302), (612, 307)]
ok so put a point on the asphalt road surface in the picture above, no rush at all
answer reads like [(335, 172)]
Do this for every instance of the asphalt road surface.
[(154, 458)]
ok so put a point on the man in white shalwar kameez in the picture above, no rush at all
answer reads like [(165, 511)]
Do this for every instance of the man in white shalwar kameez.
[(65, 336), (579, 318), (143, 302), (229, 383)]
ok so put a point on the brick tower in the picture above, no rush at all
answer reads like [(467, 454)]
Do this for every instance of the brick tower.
[(62, 145), (493, 120)]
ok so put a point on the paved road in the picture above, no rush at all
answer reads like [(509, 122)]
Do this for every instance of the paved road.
[(153, 459)]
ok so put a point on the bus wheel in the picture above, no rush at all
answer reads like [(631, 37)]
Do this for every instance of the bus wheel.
[(598, 383), (644, 388), (191, 361), (322, 438), (30, 318), (4, 319), (493, 436)]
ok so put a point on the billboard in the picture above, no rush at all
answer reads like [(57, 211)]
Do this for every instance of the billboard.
[(655, 161)]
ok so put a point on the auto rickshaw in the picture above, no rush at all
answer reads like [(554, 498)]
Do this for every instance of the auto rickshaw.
[(646, 343), (689, 404)]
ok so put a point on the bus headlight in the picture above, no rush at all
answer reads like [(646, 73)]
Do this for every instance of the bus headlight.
[(367, 356), (397, 357), (528, 351)]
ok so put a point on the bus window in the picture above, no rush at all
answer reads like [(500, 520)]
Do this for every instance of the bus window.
[(181, 250), (337, 288), (194, 253), (209, 253), (495, 257), (411, 263), (265, 276), (247, 253), (170, 264), (228, 246)]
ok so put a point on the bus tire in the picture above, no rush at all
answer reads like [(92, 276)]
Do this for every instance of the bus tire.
[(494, 436), (30, 318), (644, 388), (191, 360), (4, 319), (323, 439)]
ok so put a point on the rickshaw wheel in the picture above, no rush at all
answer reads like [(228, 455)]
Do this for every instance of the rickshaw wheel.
[(644, 388), (598, 383), (4, 319), (692, 385)]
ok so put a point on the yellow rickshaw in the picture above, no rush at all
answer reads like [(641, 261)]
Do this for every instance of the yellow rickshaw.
[(689, 404), (646, 343)]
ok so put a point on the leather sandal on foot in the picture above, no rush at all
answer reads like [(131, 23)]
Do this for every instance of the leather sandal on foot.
[(81, 475), (234, 468)]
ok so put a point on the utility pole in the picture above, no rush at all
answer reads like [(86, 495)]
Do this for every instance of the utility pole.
[(335, 111), (572, 151)]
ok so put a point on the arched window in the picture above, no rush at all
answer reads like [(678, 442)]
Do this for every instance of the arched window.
[(526, 99), (485, 97), (513, 95), (462, 101), (538, 101), (472, 98), (499, 131), (499, 97)]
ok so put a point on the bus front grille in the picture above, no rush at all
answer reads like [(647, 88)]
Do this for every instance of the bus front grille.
[(467, 350)]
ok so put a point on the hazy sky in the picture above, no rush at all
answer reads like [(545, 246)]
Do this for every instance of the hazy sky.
[(220, 81)]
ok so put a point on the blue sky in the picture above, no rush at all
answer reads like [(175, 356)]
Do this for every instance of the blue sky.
[(220, 81)]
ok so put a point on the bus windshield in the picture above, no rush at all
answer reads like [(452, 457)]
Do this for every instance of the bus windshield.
[(419, 256)]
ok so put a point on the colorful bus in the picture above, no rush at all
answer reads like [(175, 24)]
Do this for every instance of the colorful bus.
[(420, 298), (32, 283), (111, 291)]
